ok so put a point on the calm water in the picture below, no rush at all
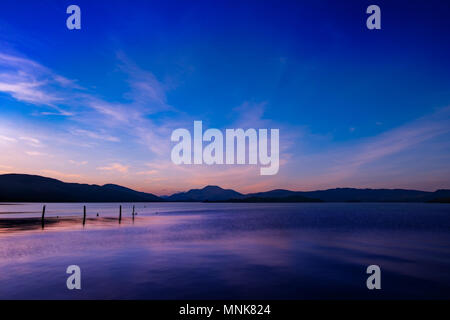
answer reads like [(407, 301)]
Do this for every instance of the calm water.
[(218, 251)]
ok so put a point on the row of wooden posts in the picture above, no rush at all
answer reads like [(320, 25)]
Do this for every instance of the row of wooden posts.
[(84, 214)]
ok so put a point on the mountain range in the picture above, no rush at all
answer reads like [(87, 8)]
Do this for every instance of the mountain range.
[(32, 188)]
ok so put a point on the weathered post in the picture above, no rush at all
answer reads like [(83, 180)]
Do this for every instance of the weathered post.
[(43, 216), (133, 213), (84, 215), (120, 213)]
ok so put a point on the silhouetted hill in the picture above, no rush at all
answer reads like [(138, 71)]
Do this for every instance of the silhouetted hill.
[(441, 200), (360, 195), (211, 193), (293, 198), (442, 196), (277, 193), (217, 194), (30, 188)]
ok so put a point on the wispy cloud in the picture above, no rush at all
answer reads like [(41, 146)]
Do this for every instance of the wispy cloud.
[(337, 166), (35, 153), (31, 92), (7, 139), (147, 92), (402, 138), (33, 142), (78, 163), (147, 172), (95, 135), (115, 167), (30, 82), (59, 174)]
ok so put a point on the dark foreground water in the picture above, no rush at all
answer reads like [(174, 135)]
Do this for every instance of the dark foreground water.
[(226, 251)]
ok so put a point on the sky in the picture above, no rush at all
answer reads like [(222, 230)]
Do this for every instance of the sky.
[(355, 107)]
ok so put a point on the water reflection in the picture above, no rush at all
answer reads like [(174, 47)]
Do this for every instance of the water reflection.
[(177, 251)]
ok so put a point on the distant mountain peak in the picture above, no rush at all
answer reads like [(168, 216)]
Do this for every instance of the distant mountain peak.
[(208, 193), (210, 187)]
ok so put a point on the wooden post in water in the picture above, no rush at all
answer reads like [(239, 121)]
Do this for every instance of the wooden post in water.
[(43, 215), (84, 215), (120, 213), (133, 213)]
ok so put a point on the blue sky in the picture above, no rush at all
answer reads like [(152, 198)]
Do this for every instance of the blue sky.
[(355, 107)]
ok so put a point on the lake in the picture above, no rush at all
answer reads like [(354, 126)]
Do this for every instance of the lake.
[(226, 251)]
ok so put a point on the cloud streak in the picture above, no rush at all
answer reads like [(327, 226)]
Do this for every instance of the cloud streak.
[(117, 167), (342, 164), (30, 82)]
